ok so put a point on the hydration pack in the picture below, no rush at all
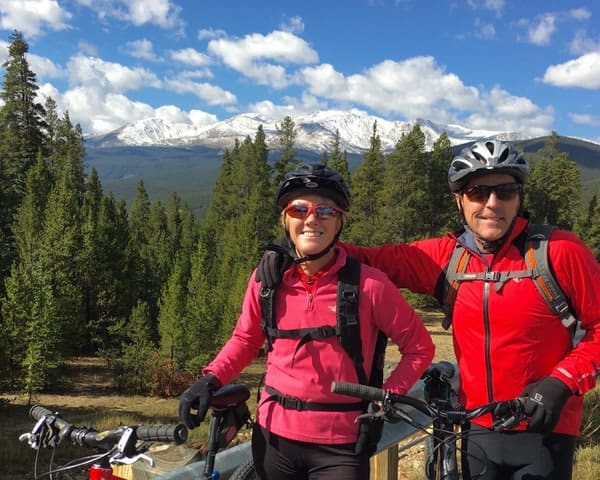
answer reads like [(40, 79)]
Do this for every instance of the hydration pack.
[(535, 252), (347, 328)]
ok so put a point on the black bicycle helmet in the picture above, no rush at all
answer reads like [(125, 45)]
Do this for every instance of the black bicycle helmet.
[(313, 178), (486, 157)]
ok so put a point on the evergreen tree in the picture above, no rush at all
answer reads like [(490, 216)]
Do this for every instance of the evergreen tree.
[(554, 190), (61, 259), (592, 236), (22, 129), (366, 185), (172, 320), (24, 283), (287, 141), (441, 208), (404, 196), (132, 366), (339, 160)]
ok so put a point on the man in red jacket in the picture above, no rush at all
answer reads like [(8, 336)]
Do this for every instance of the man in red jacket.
[(508, 342)]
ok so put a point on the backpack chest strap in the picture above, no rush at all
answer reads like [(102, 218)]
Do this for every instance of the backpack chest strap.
[(499, 278)]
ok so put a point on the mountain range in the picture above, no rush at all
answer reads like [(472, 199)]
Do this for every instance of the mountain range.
[(183, 158), (315, 132)]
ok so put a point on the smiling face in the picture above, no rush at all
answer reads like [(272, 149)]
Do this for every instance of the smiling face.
[(314, 233), (489, 218)]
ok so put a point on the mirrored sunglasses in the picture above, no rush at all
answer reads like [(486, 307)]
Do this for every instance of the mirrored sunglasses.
[(504, 192), (301, 212)]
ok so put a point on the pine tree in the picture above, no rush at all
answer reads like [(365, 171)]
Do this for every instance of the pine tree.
[(22, 137), (24, 283), (366, 185), (592, 235), (287, 141), (404, 198), (554, 189), (339, 160), (441, 208)]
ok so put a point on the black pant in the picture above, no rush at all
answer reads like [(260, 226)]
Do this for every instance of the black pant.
[(520, 455), (278, 458)]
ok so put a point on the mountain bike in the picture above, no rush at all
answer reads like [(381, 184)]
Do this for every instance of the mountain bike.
[(445, 417), (122, 445)]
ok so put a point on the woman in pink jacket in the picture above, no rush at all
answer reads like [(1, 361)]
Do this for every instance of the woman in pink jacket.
[(303, 431)]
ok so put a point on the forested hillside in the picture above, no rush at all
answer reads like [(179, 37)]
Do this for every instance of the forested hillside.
[(149, 286)]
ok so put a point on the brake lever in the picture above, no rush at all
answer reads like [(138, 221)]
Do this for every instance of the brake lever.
[(377, 414)]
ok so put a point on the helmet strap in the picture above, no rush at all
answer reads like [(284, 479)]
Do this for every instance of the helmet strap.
[(314, 256)]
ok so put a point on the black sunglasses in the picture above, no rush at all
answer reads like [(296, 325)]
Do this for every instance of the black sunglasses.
[(504, 191)]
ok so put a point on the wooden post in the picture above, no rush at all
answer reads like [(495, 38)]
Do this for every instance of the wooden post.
[(384, 465)]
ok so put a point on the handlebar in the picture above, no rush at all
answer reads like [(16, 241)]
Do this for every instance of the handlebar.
[(507, 414), (91, 438)]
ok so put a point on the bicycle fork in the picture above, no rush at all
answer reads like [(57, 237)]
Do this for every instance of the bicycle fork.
[(446, 441)]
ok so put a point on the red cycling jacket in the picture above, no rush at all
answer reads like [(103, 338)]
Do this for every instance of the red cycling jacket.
[(507, 339), (306, 371)]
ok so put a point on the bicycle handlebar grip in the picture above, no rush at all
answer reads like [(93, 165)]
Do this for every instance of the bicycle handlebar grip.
[(162, 433), (357, 390), (37, 411)]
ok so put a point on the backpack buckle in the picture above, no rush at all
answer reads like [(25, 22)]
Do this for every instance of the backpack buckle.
[(491, 276)]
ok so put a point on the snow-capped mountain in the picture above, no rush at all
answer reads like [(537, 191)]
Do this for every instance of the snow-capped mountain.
[(315, 132)]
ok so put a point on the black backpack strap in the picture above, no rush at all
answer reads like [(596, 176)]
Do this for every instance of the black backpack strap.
[(347, 315), (536, 256), (267, 322), (292, 403)]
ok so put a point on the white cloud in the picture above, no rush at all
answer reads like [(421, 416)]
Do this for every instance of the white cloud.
[(585, 119), (200, 118), (44, 67), (162, 13), (581, 72), (274, 113), (416, 87), (581, 44), (251, 54), (191, 57), (111, 77), (88, 49), (293, 25), (544, 26), (33, 17), (541, 32), (172, 114), (98, 112), (579, 13), (419, 88), (506, 112), (141, 49), (210, 33), (211, 94)]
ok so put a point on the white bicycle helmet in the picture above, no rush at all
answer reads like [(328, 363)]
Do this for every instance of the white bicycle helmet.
[(486, 157)]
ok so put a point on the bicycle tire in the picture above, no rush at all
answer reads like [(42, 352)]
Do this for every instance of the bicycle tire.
[(245, 471)]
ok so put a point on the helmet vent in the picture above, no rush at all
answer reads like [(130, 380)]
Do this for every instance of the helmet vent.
[(504, 156)]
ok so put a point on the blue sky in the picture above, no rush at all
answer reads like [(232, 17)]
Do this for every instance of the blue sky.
[(531, 66)]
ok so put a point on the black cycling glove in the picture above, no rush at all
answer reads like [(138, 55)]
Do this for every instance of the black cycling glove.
[(545, 400), (274, 262), (198, 398)]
